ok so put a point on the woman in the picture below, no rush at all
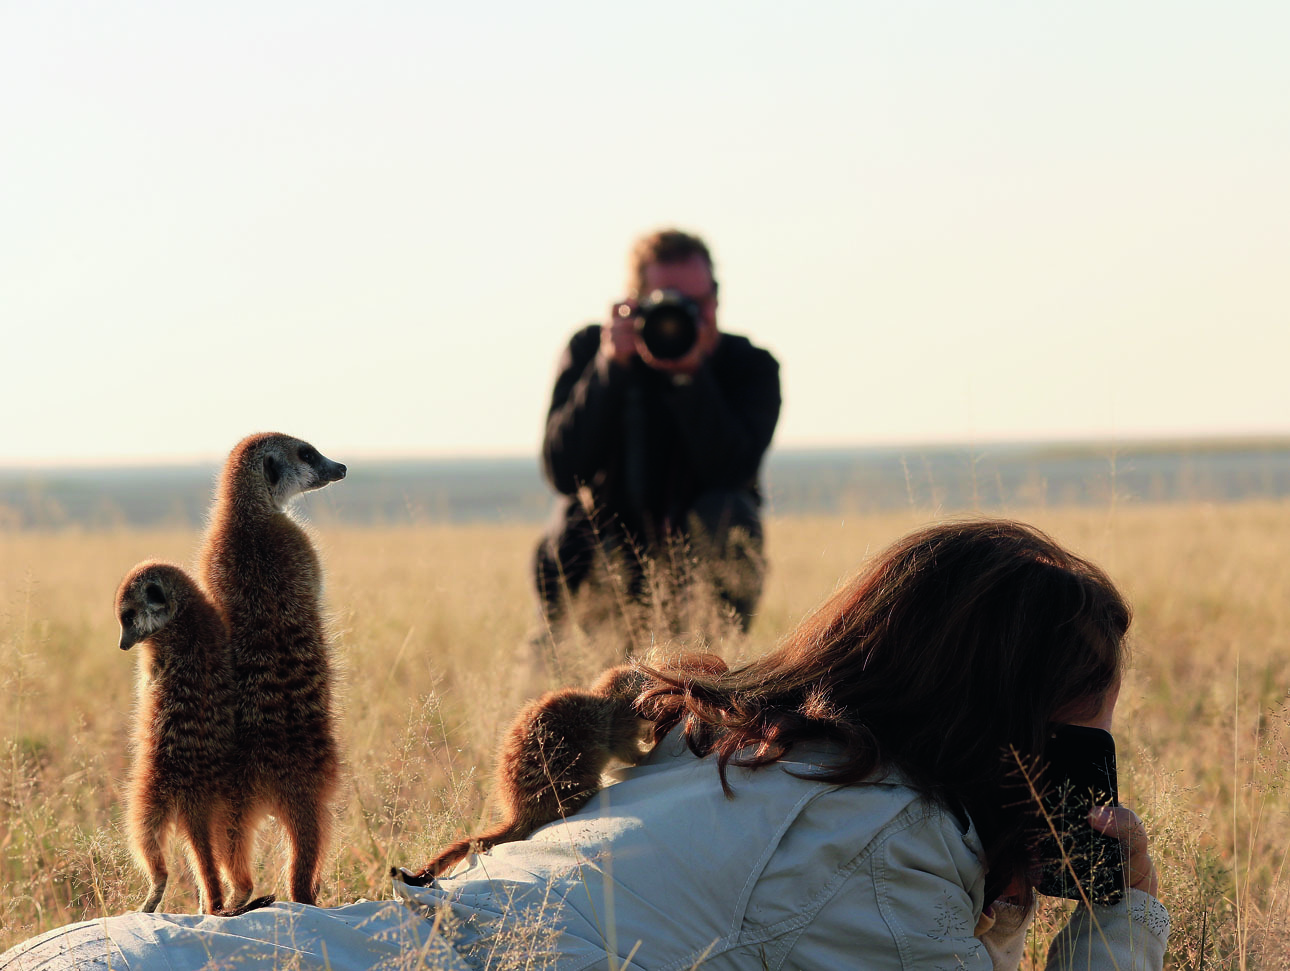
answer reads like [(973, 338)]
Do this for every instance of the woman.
[(856, 798)]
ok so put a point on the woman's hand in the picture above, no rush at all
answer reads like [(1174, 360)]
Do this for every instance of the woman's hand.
[(1124, 824)]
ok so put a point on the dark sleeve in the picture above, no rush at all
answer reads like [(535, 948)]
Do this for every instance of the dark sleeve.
[(726, 425), (581, 421)]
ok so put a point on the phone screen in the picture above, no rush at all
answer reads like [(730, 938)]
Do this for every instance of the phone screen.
[(1079, 774)]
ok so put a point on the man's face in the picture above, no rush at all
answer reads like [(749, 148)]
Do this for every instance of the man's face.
[(692, 278)]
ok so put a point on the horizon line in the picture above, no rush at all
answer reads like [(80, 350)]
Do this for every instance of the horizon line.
[(1211, 441)]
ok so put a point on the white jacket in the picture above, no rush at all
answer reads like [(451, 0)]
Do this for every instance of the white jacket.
[(665, 872)]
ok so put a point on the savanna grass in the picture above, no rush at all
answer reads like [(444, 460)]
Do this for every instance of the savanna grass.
[(432, 626)]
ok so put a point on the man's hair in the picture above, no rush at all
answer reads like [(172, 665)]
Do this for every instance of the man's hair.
[(947, 658), (665, 246)]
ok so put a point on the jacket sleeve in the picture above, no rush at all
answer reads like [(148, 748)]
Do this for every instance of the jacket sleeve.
[(1129, 935), (581, 420), (726, 431)]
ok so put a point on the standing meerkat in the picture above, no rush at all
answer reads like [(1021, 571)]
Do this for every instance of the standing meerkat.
[(265, 578), (183, 734), (551, 760)]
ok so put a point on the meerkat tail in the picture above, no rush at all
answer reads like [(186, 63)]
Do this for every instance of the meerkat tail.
[(247, 907)]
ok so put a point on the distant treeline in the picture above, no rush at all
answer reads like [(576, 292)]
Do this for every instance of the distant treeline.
[(945, 478)]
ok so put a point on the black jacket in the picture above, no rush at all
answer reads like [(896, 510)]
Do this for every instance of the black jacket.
[(648, 446)]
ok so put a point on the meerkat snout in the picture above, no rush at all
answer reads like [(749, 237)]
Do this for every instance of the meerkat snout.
[(291, 466)]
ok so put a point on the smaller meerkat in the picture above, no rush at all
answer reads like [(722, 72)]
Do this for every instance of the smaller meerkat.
[(551, 759), (183, 733)]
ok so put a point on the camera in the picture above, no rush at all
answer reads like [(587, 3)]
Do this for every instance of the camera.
[(667, 323)]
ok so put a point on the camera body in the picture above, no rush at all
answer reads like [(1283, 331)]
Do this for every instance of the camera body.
[(1080, 774), (667, 324)]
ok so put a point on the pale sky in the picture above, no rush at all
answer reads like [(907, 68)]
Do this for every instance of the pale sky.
[(374, 225)]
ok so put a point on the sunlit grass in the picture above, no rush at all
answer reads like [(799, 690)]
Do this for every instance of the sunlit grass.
[(430, 622)]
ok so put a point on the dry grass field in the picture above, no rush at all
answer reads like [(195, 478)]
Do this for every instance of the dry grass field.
[(429, 621)]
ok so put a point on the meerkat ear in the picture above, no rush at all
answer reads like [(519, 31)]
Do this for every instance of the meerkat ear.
[(154, 595), (272, 471)]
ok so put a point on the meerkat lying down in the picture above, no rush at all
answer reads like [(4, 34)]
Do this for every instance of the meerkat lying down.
[(552, 757)]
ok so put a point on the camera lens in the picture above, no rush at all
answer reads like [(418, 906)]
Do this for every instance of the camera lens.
[(668, 324)]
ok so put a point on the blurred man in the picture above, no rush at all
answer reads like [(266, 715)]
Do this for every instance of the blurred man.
[(655, 436)]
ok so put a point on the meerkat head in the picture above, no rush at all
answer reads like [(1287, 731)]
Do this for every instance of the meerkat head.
[(624, 682), (286, 466), (148, 599)]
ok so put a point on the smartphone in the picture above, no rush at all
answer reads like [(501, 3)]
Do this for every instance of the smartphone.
[(1078, 774)]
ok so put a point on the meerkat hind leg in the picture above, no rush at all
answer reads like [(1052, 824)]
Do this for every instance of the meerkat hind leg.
[(236, 843), (306, 832), (234, 840), (204, 865), (150, 824), (153, 854)]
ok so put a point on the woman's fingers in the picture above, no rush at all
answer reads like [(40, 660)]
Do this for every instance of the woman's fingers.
[(1124, 824)]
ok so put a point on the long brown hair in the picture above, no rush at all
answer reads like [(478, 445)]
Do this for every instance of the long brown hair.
[(950, 651)]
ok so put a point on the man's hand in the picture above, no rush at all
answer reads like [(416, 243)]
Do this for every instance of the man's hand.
[(619, 342), (618, 334)]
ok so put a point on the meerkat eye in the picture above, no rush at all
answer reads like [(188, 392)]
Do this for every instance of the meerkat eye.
[(127, 618), (307, 454), (155, 596)]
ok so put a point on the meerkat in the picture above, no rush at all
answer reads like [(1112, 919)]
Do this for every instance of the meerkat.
[(265, 578), (183, 736), (551, 759)]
